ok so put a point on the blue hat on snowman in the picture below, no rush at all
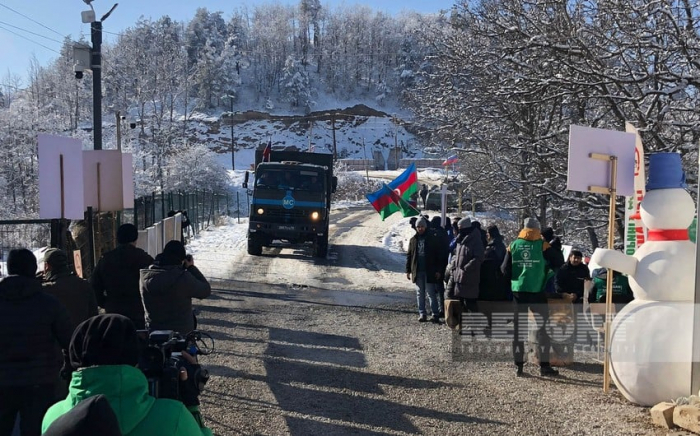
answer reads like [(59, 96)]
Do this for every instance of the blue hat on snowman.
[(665, 172)]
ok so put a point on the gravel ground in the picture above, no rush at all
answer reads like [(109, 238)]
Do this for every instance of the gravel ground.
[(292, 360)]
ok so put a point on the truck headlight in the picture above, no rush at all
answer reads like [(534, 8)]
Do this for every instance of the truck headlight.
[(314, 216), (261, 211)]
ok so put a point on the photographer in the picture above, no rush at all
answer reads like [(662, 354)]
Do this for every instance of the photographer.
[(167, 289), (103, 353)]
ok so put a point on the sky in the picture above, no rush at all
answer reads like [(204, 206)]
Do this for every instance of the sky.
[(51, 20)]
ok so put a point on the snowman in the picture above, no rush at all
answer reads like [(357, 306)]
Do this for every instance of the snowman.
[(651, 337)]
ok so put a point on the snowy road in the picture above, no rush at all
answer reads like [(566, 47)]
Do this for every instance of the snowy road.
[(357, 258)]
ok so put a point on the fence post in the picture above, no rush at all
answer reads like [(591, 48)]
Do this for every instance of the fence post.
[(228, 208), (238, 206), (91, 239), (153, 209)]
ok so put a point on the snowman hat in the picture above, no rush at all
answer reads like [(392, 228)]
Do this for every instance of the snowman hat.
[(665, 172)]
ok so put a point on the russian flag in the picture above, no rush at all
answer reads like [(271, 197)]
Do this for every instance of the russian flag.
[(450, 160), (267, 151)]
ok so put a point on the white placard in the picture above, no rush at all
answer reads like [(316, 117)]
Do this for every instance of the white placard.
[(128, 180), (50, 149), (585, 172), (111, 196)]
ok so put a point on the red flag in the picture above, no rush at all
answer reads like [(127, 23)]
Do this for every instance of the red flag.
[(267, 152)]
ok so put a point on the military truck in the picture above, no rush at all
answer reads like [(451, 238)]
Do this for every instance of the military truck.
[(291, 201)]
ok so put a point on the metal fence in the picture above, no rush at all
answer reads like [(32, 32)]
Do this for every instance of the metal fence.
[(201, 207), (31, 234)]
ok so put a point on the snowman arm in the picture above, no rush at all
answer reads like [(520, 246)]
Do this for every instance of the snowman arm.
[(615, 260)]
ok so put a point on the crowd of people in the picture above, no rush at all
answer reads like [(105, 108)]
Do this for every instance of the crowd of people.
[(459, 264), (69, 364)]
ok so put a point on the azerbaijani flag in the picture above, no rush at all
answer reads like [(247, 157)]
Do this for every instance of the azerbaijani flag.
[(450, 160), (400, 188)]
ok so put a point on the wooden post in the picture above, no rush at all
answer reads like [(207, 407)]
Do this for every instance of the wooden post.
[(612, 191)]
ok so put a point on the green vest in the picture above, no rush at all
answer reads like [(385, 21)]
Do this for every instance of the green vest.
[(529, 266)]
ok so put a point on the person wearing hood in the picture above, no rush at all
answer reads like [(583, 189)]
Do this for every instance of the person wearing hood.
[(73, 292), (555, 243), (527, 262), (466, 265), (35, 326), (116, 276), (167, 289), (104, 352), (492, 286)]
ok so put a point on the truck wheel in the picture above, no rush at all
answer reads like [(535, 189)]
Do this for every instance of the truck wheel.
[(254, 247), (321, 248)]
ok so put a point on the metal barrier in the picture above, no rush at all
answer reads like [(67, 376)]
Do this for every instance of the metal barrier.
[(31, 234)]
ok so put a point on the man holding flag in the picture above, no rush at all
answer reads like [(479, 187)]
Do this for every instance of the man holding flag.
[(394, 196)]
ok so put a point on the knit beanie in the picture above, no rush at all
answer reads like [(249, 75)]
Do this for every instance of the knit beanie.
[(56, 258), (465, 223), (127, 233), (21, 262), (108, 339), (531, 223), (422, 222), (173, 253)]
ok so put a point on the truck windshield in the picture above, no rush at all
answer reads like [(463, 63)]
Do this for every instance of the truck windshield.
[(295, 179)]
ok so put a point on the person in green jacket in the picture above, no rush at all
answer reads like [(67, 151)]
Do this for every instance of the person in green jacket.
[(103, 353), (529, 259)]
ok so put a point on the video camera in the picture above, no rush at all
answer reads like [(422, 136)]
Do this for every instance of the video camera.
[(169, 362)]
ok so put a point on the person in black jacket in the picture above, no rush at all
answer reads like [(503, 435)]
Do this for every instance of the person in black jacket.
[(555, 243), (73, 292), (444, 241), (423, 259), (167, 289), (493, 286), (570, 277), (34, 325), (116, 277)]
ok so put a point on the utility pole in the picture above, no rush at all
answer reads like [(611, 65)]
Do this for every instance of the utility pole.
[(364, 150), (96, 39), (335, 150), (311, 132), (396, 142), (231, 95), (119, 130), (96, 67)]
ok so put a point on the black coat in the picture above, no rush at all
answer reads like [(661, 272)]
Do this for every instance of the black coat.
[(34, 325), (435, 257), (74, 293), (116, 282), (493, 285), (167, 292), (569, 279)]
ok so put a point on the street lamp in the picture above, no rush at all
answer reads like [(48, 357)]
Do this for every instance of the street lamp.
[(231, 96), (96, 67)]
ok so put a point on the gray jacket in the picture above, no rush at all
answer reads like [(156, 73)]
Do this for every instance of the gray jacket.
[(469, 254), (167, 292)]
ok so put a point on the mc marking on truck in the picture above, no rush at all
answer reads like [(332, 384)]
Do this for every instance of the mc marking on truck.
[(288, 201)]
